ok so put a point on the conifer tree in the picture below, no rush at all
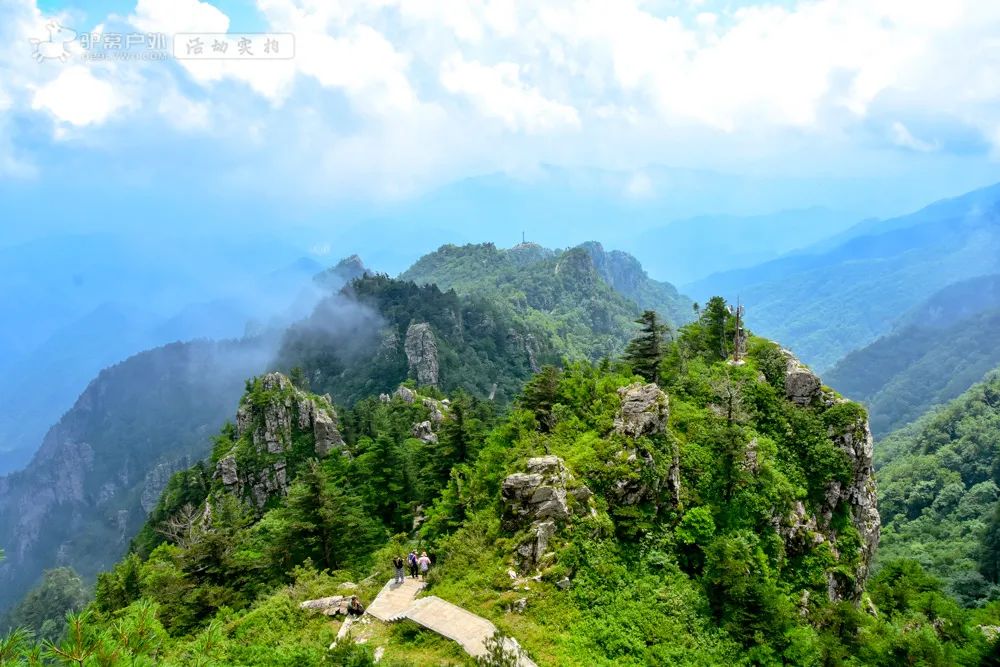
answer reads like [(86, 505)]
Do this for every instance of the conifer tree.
[(645, 351)]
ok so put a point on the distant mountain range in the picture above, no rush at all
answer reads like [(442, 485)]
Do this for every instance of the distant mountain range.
[(75, 305), (827, 303), (934, 353)]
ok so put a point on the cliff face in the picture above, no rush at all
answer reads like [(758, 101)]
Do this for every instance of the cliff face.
[(422, 354), (102, 467), (272, 419), (856, 496)]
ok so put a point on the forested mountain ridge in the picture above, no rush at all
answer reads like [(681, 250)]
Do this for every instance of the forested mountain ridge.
[(104, 464), (865, 284), (604, 520), (938, 481), (590, 295), (102, 467), (935, 352)]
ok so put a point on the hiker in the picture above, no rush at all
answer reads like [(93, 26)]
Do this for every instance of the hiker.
[(354, 608), (425, 563), (397, 563), (412, 560)]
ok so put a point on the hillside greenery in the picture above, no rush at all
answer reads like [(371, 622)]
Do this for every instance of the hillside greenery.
[(938, 481), (829, 301), (686, 568), (585, 298), (925, 363)]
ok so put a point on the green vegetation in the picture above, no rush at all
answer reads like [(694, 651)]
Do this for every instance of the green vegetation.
[(352, 346), (939, 489), (829, 301), (43, 610), (645, 352), (685, 549), (585, 300), (904, 374)]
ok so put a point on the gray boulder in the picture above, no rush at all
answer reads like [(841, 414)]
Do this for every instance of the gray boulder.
[(802, 386), (644, 410), (422, 354)]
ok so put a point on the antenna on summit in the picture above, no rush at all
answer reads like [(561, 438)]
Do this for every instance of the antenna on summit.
[(522, 238)]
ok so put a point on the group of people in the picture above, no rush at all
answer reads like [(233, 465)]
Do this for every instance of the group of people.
[(421, 564)]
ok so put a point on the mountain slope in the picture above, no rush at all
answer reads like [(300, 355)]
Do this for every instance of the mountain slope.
[(590, 296), (85, 494), (101, 309), (827, 304), (938, 482), (87, 489), (691, 249), (604, 521), (935, 352)]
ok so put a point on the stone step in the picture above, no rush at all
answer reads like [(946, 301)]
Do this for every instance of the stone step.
[(396, 602), (394, 599)]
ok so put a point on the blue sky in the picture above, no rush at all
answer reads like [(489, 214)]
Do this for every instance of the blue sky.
[(873, 108)]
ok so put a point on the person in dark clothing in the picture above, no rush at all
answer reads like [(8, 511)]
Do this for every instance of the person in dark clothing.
[(397, 563), (412, 561), (354, 608)]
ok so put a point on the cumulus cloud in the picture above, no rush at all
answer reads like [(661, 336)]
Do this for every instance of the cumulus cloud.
[(498, 92), (77, 97), (397, 92)]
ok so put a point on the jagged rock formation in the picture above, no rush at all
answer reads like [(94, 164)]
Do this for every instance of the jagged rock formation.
[(857, 496), (860, 496), (538, 499), (97, 472), (801, 384), (422, 354), (425, 432), (268, 419), (156, 480), (644, 411)]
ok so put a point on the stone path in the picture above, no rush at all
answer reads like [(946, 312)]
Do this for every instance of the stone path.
[(398, 601), (394, 599)]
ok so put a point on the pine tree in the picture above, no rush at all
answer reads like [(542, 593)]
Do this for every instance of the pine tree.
[(645, 351)]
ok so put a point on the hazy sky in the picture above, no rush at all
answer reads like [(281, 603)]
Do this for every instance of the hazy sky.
[(872, 107)]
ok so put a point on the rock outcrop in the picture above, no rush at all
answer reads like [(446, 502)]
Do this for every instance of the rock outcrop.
[(644, 410), (156, 480), (422, 354), (538, 499), (860, 496), (857, 495), (335, 605), (268, 419), (425, 432), (802, 386)]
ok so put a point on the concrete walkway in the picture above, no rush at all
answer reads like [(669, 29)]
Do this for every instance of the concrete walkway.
[(394, 599), (398, 601)]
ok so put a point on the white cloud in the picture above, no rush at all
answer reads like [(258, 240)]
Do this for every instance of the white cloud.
[(271, 79), (393, 94), (640, 186), (498, 92), (902, 137), (77, 97), (183, 113)]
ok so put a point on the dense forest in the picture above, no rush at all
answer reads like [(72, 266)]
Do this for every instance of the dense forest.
[(939, 489), (721, 515)]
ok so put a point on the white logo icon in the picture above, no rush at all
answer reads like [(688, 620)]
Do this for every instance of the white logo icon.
[(56, 47)]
